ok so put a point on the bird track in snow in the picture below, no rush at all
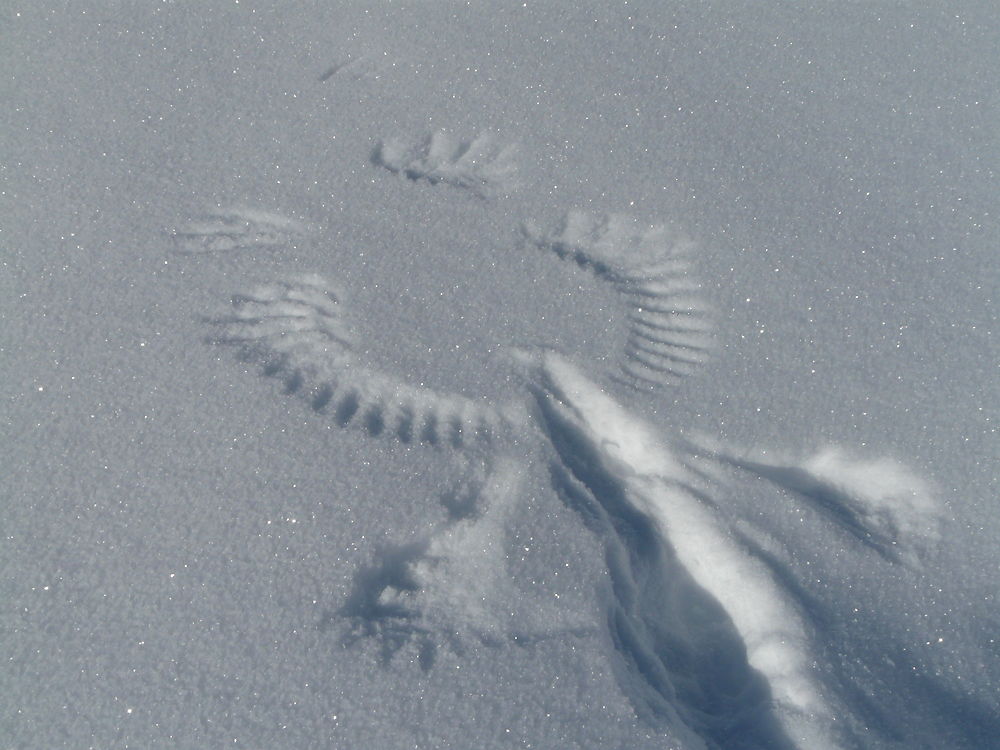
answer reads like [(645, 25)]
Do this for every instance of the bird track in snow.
[(298, 329)]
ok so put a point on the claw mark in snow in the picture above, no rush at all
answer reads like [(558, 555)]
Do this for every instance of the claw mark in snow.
[(480, 165), (670, 328), (237, 229), (372, 64), (335, 69), (701, 628), (297, 330), (453, 587)]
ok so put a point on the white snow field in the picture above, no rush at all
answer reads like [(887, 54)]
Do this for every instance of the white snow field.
[(499, 375)]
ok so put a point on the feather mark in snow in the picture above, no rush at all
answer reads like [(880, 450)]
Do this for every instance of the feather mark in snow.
[(480, 165), (297, 330), (237, 229), (670, 326)]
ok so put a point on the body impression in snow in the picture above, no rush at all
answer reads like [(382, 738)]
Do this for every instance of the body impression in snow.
[(454, 586), (705, 637)]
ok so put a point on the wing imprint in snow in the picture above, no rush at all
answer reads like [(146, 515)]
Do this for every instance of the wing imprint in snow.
[(237, 229), (481, 165), (298, 331), (669, 325)]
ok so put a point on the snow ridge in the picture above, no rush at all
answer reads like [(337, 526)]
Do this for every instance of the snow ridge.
[(703, 632), (880, 501)]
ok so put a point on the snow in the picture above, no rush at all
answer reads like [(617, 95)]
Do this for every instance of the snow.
[(638, 482), (556, 376), (880, 501)]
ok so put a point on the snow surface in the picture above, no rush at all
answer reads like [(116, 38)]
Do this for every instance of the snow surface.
[(557, 375)]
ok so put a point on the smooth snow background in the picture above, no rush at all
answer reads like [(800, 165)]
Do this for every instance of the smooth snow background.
[(177, 534)]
